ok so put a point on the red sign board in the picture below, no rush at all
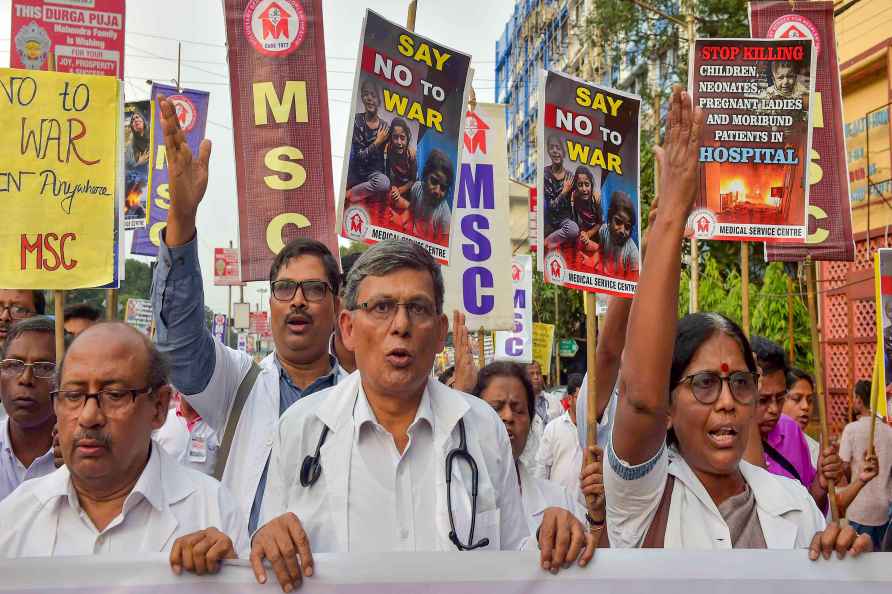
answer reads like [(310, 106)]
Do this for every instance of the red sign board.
[(226, 268), (259, 323), (280, 126), (84, 36)]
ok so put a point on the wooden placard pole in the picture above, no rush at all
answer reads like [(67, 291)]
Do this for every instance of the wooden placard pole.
[(111, 304), (790, 319), (591, 420), (819, 375), (745, 285), (481, 348), (410, 17), (59, 312)]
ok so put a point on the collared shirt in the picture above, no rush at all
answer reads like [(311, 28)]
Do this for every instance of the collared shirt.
[(789, 441), (391, 498), (168, 501), (12, 472), (871, 506), (561, 455), (539, 494), (605, 423), (193, 444)]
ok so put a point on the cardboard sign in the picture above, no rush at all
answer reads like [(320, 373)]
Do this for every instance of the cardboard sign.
[(219, 329), (276, 55), (756, 141), (192, 110), (139, 315), (589, 207), (226, 266), (543, 344), (478, 279), (84, 36), (137, 156), (517, 345), (829, 210), (58, 179), (403, 141)]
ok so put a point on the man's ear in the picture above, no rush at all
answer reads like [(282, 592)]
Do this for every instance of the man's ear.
[(442, 332), (345, 325), (162, 403)]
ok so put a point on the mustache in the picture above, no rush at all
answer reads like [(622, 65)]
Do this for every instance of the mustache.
[(92, 435), (301, 316)]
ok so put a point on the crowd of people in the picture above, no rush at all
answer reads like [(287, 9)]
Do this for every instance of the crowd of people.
[(342, 441)]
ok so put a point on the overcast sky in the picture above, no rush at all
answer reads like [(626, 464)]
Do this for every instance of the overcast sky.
[(155, 26)]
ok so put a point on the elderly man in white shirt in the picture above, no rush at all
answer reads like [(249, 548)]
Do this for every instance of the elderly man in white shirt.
[(26, 378), (119, 493), (391, 459)]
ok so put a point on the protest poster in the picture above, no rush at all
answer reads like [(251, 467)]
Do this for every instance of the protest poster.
[(84, 37), (279, 92), (631, 571), (403, 141), (589, 208), (259, 323), (138, 314), (478, 277), (226, 267), (137, 155), (242, 343), (192, 109), (883, 283), (219, 329), (829, 209), (517, 345), (756, 140), (59, 177), (543, 345)]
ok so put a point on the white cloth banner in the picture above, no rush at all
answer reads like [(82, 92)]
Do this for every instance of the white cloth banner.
[(478, 276), (518, 344), (612, 571)]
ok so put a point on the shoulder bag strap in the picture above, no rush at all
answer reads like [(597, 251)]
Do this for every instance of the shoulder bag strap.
[(656, 533), (241, 396)]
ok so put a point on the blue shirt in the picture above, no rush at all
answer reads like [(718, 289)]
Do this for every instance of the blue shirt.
[(178, 306)]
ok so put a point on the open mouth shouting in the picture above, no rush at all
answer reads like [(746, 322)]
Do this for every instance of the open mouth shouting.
[(298, 323), (723, 436), (399, 357)]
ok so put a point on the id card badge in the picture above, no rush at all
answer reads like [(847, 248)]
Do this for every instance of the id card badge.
[(198, 449)]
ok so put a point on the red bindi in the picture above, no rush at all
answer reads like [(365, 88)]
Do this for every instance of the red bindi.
[(725, 368)]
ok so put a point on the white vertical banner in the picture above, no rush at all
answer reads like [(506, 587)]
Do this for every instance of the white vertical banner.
[(478, 276), (517, 345)]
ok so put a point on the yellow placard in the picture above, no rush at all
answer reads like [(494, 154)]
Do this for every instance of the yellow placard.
[(543, 343), (59, 135)]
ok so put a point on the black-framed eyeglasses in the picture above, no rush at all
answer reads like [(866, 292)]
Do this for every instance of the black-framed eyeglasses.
[(16, 367), (384, 310), (706, 386), (313, 290), (110, 401), (17, 312)]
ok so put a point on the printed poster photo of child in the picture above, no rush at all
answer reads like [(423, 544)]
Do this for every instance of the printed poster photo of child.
[(137, 151)]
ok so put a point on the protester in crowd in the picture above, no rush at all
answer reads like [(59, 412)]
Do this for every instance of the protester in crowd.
[(869, 512), (862, 395), (464, 372), (117, 493), (17, 305), (558, 182), (674, 476), (26, 379), (798, 405), (618, 255), (786, 452), (574, 383), (401, 169), (547, 406), (187, 438), (231, 393), (357, 467), (341, 353), (80, 316), (447, 378), (506, 387), (430, 208), (560, 455), (365, 171)]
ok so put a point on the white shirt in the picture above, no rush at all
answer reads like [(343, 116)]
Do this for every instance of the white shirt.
[(393, 508), (324, 508), (605, 423), (560, 454), (814, 448), (12, 472), (43, 518), (539, 494), (787, 513), (196, 448)]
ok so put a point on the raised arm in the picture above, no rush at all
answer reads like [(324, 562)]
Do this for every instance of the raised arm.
[(640, 426)]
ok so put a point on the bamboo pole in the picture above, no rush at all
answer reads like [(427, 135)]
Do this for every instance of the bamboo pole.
[(695, 249), (819, 375), (745, 285), (790, 320), (59, 311), (410, 18), (557, 354), (591, 420), (481, 348)]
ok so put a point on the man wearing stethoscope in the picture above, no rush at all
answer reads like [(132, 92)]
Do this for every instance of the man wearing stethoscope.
[(390, 459)]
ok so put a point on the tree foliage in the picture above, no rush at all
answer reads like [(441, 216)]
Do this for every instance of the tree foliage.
[(137, 284)]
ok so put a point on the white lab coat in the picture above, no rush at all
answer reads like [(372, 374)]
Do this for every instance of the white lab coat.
[(540, 494), (253, 438), (787, 513), (322, 508)]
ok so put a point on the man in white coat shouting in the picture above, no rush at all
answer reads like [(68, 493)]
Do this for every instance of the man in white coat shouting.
[(390, 459)]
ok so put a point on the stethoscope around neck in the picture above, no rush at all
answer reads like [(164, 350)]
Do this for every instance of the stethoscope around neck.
[(311, 469)]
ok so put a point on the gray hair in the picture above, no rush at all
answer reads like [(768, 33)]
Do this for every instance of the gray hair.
[(157, 370), (389, 256), (33, 324)]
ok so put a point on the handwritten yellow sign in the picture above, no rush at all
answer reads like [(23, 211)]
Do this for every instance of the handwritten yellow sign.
[(543, 344), (60, 139)]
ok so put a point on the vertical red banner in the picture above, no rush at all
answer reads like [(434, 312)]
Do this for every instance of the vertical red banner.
[(281, 127)]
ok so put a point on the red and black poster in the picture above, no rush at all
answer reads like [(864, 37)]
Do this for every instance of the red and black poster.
[(829, 213), (281, 127)]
